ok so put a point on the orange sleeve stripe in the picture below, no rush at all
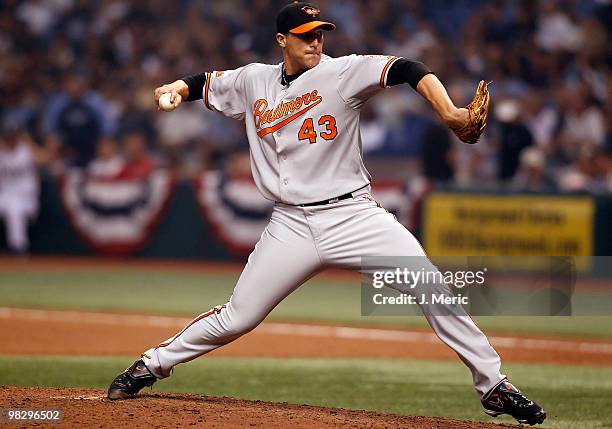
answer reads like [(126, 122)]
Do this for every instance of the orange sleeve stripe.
[(384, 72), (206, 88)]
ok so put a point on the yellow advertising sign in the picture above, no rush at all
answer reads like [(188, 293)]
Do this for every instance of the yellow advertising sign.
[(507, 225)]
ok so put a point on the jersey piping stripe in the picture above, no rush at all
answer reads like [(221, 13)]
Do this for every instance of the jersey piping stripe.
[(265, 131), (384, 72), (206, 88), (215, 310)]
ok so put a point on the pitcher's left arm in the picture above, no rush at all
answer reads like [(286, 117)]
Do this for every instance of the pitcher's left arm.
[(468, 123)]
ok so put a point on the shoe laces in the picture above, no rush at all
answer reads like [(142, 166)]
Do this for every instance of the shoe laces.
[(124, 379), (518, 399)]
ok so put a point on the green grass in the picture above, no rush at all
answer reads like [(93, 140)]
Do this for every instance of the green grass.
[(175, 293), (575, 397)]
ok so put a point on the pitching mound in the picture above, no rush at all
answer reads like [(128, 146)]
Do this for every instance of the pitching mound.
[(89, 408)]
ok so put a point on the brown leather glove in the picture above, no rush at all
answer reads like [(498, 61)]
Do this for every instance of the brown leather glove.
[(478, 111)]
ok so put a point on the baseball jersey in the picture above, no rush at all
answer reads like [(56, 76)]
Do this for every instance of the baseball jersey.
[(18, 176), (304, 137)]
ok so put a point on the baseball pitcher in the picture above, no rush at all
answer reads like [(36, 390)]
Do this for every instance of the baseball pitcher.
[(302, 121)]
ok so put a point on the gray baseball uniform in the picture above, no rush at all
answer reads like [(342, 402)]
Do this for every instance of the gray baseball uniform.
[(19, 191), (305, 147)]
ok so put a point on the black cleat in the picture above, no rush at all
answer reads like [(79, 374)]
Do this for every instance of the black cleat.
[(127, 384), (507, 399)]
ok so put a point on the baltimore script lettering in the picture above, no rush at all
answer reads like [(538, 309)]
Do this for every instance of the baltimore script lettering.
[(262, 115)]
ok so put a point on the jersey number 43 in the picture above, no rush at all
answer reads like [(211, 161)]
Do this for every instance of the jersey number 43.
[(308, 132)]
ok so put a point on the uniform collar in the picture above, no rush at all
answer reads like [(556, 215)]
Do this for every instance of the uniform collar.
[(286, 79)]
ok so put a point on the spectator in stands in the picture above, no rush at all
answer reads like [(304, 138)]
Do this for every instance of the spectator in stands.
[(108, 163), (607, 169), (373, 132), (532, 174), (138, 116), (77, 119), (556, 31), (513, 137), (588, 174), (437, 153), (39, 16), (138, 163), (552, 55), (541, 118), (584, 127), (19, 186)]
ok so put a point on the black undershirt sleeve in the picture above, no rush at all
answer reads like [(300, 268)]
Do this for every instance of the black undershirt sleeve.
[(406, 71), (195, 83)]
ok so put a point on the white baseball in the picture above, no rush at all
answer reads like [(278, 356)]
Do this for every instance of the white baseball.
[(165, 103)]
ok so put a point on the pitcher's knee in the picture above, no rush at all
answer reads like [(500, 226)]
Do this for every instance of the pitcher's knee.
[(242, 325)]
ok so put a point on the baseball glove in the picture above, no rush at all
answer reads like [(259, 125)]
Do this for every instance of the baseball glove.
[(478, 110)]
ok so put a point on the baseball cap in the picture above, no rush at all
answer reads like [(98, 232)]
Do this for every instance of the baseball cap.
[(300, 17)]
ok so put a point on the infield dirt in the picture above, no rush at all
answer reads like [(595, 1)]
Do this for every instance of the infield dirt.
[(70, 333)]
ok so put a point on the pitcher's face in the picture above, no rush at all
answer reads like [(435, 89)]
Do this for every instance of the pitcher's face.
[(304, 49)]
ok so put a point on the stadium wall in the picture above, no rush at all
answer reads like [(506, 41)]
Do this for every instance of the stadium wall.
[(199, 220)]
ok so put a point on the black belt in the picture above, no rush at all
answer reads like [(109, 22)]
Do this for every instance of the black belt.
[(330, 201)]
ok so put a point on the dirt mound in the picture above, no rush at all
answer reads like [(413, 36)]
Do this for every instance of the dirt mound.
[(89, 408)]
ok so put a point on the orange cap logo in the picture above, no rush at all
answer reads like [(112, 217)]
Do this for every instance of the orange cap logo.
[(311, 10)]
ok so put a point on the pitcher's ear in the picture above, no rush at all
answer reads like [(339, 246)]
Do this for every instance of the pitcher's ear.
[(281, 39)]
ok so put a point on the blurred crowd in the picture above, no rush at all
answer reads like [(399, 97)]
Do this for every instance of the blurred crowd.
[(77, 78)]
